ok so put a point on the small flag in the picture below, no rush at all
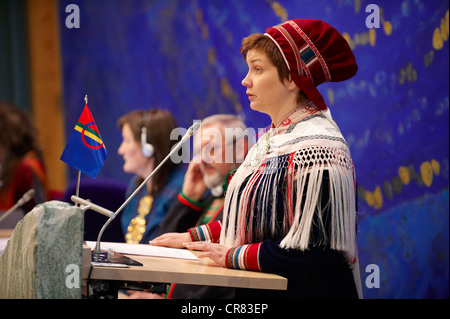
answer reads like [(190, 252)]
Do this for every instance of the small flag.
[(85, 149)]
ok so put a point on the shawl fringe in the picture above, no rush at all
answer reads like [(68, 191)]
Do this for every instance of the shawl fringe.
[(255, 208)]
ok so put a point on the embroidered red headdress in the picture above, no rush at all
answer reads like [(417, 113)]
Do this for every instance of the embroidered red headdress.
[(314, 53)]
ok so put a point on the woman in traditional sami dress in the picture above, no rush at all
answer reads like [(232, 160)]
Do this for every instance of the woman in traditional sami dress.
[(290, 209)]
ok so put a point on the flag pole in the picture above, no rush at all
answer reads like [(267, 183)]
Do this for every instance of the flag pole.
[(77, 191)]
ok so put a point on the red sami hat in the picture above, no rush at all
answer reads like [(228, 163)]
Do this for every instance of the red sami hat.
[(314, 52)]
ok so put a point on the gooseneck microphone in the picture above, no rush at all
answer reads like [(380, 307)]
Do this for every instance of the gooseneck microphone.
[(88, 205), (22, 201)]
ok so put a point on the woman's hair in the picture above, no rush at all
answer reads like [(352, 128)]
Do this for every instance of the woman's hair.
[(18, 136), (159, 123), (262, 43)]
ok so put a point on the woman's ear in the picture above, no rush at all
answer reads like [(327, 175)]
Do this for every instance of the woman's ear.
[(292, 84)]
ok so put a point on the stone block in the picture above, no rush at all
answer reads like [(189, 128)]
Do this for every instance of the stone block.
[(42, 259)]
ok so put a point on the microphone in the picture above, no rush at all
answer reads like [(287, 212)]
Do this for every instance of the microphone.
[(22, 201), (191, 131)]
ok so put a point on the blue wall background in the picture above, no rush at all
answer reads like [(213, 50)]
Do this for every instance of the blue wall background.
[(184, 56)]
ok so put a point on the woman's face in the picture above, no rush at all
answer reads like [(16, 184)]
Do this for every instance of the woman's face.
[(131, 151), (264, 89)]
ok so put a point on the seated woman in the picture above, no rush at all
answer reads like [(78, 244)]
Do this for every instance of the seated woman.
[(21, 163), (146, 142)]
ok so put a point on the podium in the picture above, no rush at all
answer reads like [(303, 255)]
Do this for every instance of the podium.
[(45, 258), (105, 282)]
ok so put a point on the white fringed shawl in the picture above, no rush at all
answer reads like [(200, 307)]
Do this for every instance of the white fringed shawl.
[(291, 156)]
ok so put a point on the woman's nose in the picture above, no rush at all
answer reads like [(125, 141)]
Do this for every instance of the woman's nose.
[(246, 81), (120, 149)]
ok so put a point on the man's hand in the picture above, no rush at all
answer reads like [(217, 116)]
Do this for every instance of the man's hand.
[(194, 187)]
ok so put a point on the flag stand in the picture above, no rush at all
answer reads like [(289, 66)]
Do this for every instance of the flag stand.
[(77, 191)]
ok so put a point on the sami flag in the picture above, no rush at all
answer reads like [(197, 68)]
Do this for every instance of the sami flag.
[(85, 149)]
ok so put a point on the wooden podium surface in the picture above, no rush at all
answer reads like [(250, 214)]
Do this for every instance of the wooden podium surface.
[(182, 271)]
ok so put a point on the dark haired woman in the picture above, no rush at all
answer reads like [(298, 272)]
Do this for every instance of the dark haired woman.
[(21, 162), (146, 142)]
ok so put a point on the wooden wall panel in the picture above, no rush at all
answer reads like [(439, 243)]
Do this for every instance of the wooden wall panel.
[(46, 86)]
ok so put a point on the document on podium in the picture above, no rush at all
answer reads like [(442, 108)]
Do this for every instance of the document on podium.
[(3, 243), (144, 250)]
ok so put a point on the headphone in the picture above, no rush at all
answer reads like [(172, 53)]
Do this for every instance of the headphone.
[(147, 149)]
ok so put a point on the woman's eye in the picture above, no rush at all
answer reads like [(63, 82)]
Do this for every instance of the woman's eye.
[(258, 69)]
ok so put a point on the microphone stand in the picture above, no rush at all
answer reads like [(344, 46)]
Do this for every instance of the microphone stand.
[(22, 201), (191, 131)]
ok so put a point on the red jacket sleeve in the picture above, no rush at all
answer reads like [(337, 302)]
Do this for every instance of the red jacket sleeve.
[(209, 232)]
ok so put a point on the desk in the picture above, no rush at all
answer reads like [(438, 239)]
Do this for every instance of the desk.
[(171, 270), (5, 235)]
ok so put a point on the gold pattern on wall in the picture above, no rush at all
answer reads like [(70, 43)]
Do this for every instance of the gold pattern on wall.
[(428, 170)]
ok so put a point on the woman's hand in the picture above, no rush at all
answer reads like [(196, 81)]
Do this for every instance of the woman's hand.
[(216, 252), (172, 240)]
